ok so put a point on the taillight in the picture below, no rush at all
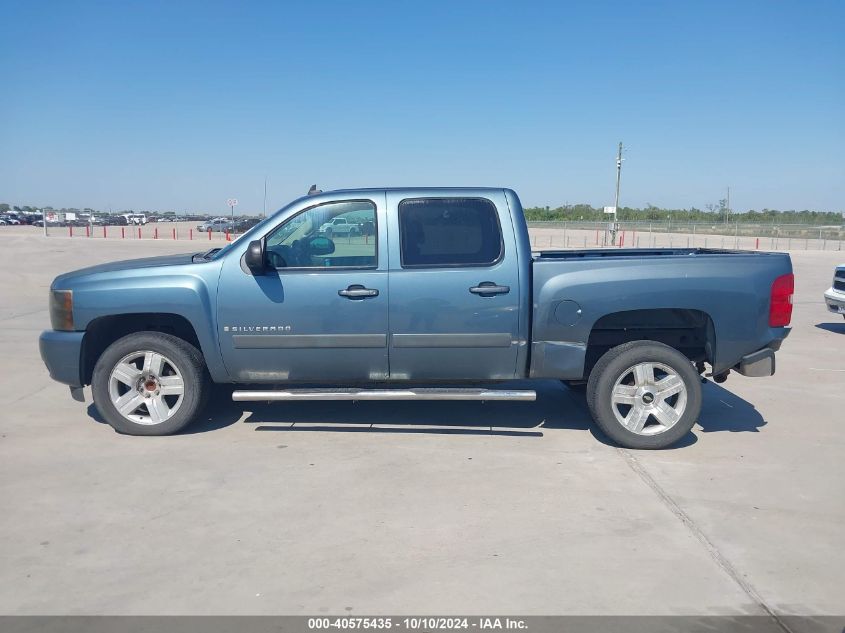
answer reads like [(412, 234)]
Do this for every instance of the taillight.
[(780, 304)]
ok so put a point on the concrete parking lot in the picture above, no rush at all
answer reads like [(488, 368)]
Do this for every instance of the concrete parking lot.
[(419, 508)]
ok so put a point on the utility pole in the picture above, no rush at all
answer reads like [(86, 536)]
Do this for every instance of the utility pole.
[(728, 206), (264, 215), (616, 204)]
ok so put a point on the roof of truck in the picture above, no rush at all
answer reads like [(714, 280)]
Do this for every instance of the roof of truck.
[(355, 189)]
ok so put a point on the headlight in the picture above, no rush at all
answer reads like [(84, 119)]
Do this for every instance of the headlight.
[(61, 309)]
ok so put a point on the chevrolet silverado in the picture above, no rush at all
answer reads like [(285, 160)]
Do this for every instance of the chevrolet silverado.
[(444, 300)]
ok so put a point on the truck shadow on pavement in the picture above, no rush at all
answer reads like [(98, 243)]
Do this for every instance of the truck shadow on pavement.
[(836, 328), (556, 407)]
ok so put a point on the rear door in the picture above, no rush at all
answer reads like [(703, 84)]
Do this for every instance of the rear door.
[(454, 287)]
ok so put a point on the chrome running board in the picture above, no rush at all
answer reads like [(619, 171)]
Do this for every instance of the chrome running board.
[(386, 394)]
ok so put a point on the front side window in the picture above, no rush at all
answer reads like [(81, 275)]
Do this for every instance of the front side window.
[(332, 235), (441, 232)]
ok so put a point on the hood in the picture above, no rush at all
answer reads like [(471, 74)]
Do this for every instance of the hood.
[(129, 264)]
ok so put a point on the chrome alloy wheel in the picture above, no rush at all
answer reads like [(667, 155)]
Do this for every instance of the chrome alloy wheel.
[(146, 387), (649, 398)]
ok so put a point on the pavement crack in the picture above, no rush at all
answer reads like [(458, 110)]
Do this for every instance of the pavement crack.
[(30, 394), (12, 317), (710, 547)]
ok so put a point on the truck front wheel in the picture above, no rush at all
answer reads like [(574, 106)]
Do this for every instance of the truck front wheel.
[(644, 395), (149, 383)]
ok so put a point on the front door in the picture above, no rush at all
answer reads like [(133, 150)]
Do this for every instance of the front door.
[(454, 296), (319, 314)]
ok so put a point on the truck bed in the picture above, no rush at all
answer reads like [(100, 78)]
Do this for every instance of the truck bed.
[(720, 297)]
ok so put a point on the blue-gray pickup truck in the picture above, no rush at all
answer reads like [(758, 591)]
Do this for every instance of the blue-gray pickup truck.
[(437, 297)]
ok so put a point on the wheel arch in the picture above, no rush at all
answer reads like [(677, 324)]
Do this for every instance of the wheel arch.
[(103, 331), (688, 330)]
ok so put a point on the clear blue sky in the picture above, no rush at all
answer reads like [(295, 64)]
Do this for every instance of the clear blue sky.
[(180, 105)]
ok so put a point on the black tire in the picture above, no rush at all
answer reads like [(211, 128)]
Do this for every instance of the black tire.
[(182, 356), (614, 365)]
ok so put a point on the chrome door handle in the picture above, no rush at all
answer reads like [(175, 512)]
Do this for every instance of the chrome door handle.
[(357, 291), (489, 289)]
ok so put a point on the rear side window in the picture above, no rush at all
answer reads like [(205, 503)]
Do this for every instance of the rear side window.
[(439, 232)]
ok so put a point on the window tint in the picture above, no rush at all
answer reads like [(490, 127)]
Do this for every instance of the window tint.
[(332, 235), (449, 232)]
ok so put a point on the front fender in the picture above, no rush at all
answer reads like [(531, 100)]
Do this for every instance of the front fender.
[(191, 296)]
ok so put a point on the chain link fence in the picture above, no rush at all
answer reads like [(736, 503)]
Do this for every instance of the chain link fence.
[(737, 235)]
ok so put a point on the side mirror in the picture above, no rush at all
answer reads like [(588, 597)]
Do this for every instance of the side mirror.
[(254, 257), (321, 246)]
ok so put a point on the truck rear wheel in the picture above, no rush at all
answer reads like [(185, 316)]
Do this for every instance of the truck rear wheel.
[(149, 383), (644, 395)]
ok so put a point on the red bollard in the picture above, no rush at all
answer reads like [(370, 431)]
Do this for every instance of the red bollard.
[(622, 240), (104, 230), (228, 239), (123, 232), (209, 235), (758, 244), (70, 230), (174, 234), (139, 232), (155, 233), (87, 231), (190, 234)]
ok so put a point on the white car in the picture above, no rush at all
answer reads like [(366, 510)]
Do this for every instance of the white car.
[(835, 296), (137, 219), (340, 226)]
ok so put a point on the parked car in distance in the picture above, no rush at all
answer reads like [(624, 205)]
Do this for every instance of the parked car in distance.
[(447, 303), (10, 219), (216, 225), (138, 219), (244, 224), (31, 218), (835, 295), (340, 226)]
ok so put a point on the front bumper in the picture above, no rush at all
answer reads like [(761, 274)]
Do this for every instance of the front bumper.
[(62, 353), (835, 300)]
